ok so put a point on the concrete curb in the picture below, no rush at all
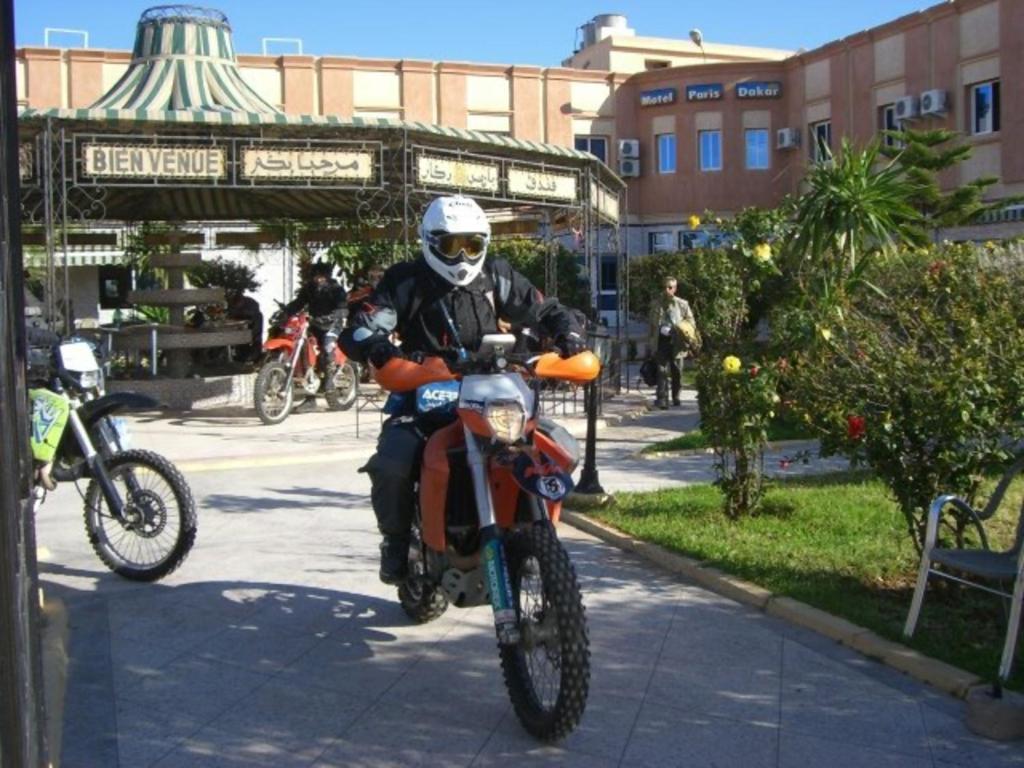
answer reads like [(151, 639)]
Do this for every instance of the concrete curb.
[(952, 680), (777, 445)]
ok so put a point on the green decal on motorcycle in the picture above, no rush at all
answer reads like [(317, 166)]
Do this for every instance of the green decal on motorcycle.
[(49, 418)]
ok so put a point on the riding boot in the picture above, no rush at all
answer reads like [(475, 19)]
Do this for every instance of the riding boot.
[(392, 470), (394, 559)]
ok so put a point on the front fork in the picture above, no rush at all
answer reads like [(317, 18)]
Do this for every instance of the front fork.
[(97, 467), (506, 625)]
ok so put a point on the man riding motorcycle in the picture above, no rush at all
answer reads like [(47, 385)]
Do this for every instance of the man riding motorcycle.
[(324, 298), (440, 304)]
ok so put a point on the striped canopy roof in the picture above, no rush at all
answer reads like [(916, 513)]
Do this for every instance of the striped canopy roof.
[(183, 59), (33, 119)]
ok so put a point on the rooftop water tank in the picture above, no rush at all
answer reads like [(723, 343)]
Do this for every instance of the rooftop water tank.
[(589, 34), (613, 20)]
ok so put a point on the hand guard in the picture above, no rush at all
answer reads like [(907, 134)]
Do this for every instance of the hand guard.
[(381, 352), (570, 344)]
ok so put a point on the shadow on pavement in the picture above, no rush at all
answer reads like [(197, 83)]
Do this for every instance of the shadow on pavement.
[(152, 664)]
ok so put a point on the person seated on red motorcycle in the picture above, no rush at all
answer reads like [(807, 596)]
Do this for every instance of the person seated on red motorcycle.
[(443, 303), (363, 287), (324, 299)]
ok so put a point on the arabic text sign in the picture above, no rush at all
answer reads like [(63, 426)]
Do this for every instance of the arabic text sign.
[(605, 201), (306, 164), (150, 161), (555, 186), (434, 171)]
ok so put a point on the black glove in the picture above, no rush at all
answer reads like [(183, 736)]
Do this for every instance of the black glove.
[(570, 344), (381, 352)]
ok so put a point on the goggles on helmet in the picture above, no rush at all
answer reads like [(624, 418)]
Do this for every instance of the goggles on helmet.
[(452, 246)]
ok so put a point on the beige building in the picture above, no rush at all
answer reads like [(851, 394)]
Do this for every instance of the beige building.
[(691, 127)]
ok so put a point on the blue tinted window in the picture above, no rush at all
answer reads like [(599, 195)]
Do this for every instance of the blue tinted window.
[(711, 150), (595, 145), (667, 153), (757, 149)]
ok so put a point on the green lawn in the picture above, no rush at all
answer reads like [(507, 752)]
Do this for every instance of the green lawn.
[(695, 439), (837, 543)]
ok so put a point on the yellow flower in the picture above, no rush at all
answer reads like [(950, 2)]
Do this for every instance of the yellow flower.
[(826, 334), (732, 364), (694, 221), (762, 253), (990, 245)]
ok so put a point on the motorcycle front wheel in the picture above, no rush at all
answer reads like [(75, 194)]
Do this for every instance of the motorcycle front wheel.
[(158, 527), (547, 672), (273, 393), (345, 380)]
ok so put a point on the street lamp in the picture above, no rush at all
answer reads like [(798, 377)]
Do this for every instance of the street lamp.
[(600, 344)]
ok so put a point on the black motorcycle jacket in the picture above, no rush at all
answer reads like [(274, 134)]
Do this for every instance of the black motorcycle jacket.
[(326, 305), (432, 316)]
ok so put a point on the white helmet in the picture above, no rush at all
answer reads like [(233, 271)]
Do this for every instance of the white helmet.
[(455, 234)]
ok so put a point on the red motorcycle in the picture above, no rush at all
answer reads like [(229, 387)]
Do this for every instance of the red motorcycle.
[(291, 355)]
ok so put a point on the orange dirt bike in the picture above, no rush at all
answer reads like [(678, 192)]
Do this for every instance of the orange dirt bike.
[(490, 490), (291, 355)]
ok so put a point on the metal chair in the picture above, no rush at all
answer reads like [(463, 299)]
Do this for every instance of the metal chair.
[(1001, 567)]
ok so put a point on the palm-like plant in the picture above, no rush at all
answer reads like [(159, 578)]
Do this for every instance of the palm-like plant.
[(853, 208), (923, 155)]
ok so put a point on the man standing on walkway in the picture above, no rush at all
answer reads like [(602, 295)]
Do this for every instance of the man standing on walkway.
[(673, 333)]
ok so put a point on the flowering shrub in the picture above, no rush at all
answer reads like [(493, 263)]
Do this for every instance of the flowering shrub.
[(922, 378), (736, 405), (731, 289)]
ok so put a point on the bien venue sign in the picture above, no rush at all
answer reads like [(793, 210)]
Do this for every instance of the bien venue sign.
[(447, 172), (705, 92), (759, 90), (149, 161), (265, 163), (657, 97), (530, 183)]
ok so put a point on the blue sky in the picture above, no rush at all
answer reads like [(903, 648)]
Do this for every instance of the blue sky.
[(510, 31)]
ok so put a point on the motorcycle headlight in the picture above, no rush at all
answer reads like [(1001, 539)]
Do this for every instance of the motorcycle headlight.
[(90, 379), (507, 420)]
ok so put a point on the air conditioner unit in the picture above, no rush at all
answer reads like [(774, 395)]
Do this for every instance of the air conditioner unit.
[(934, 102), (629, 167), (907, 108), (629, 148), (787, 138)]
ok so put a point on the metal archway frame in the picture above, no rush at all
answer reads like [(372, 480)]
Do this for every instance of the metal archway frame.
[(104, 167)]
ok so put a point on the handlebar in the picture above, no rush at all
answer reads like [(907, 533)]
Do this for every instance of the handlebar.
[(404, 375)]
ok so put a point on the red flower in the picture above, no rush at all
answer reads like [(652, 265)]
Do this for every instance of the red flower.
[(754, 370), (936, 268), (855, 427)]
